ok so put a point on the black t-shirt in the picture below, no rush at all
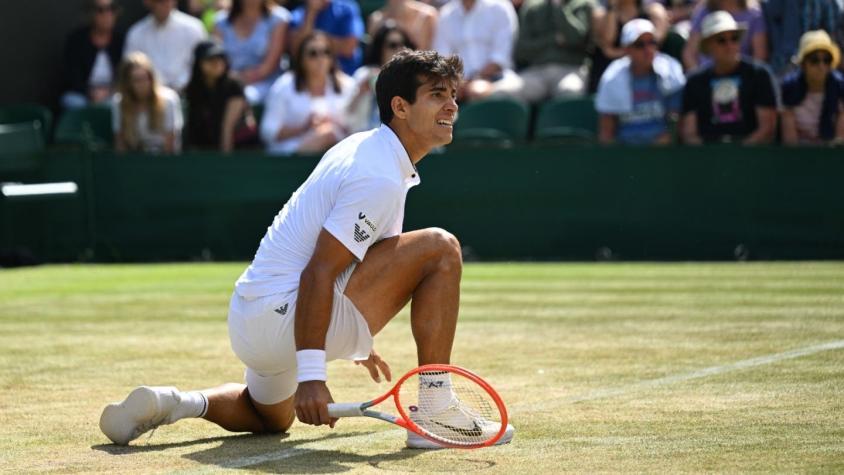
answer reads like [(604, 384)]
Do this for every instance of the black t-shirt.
[(206, 109), (725, 105)]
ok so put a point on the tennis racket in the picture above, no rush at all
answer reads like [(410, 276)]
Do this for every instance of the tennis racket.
[(472, 416)]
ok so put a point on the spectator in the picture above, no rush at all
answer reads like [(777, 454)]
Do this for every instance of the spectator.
[(340, 20), (814, 95), (253, 34), (640, 92), (167, 37), (787, 20), (679, 14), (482, 33), (363, 108), (551, 47), (146, 116), (218, 114), (92, 55), (754, 43), (608, 34), (417, 19), (734, 98), (306, 107)]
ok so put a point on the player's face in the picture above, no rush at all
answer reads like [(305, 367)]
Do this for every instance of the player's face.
[(431, 117)]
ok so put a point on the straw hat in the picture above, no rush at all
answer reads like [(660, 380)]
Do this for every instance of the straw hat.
[(817, 40)]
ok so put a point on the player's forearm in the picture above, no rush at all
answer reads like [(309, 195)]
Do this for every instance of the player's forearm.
[(313, 308)]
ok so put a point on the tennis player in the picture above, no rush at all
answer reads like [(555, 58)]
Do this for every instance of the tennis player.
[(331, 271)]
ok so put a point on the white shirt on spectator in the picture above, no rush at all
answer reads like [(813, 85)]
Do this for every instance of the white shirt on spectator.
[(169, 46), (101, 73), (287, 107), (356, 192), (153, 140), (485, 34)]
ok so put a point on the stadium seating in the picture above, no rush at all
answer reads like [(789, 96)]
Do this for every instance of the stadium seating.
[(501, 122), (19, 113), (89, 127), (21, 138), (567, 120)]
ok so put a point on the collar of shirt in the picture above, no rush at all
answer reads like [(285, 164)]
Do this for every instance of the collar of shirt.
[(408, 169)]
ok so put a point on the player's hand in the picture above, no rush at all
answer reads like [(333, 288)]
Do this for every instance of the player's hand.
[(311, 402), (374, 363)]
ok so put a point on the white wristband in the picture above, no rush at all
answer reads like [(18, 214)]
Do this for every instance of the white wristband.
[(310, 365)]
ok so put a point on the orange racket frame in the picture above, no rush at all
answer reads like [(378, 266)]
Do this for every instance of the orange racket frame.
[(362, 409)]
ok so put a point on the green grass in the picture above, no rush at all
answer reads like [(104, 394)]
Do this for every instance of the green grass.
[(567, 345)]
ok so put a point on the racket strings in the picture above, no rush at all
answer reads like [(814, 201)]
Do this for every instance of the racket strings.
[(450, 408)]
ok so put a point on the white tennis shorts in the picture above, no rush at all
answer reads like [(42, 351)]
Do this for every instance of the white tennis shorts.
[(261, 333)]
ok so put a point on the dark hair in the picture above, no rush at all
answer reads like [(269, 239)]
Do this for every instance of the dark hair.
[(376, 47), (196, 86), (91, 6), (237, 9), (299, 62), (406, 71)]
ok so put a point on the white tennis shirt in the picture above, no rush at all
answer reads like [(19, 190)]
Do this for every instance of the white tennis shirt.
[(356, 192)]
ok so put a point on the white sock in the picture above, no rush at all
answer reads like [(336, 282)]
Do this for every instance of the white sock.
[(191, 404), (435, 392)]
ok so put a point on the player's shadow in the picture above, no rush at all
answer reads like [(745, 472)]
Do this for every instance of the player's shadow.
[(270, 455)]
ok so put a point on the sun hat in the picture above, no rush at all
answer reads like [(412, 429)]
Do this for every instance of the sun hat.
[(817, 40), (719, 22)]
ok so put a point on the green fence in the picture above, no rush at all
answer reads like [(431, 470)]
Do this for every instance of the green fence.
[(572, 203)]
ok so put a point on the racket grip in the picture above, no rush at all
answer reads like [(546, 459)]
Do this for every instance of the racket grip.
[(345, 409)]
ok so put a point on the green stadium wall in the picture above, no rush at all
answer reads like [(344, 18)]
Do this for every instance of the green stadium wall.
[(528, 203)]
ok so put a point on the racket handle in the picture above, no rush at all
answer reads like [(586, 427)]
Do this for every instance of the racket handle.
[(345, 409)]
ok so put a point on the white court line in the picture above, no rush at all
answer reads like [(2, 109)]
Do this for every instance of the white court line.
[(678, 378), (334, 444)]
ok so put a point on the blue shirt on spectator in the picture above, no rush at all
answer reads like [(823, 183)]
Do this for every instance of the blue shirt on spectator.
[(647, 121), (340, 19)]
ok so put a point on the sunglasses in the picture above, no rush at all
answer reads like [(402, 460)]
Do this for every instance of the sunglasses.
[(724, 39), (642, 44), (316, 53), (819, 58)]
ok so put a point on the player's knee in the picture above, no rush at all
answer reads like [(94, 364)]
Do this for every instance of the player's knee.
[(447, 249), (278, 425)]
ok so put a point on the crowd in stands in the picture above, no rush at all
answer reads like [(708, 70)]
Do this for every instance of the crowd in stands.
[(297, 76)]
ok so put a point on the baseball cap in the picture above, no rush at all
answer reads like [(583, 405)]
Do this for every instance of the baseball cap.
[(634, 29)]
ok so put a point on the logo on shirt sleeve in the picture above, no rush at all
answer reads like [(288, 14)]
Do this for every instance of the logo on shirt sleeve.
[(360, 234)]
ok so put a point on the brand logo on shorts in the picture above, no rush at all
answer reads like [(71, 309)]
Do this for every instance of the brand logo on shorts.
[(281, 310), (360, 234)]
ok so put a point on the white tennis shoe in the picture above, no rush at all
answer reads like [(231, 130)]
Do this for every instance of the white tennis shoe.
[(456, 423), (144, 409)]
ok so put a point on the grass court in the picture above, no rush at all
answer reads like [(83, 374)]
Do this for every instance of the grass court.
[(686, 367)]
